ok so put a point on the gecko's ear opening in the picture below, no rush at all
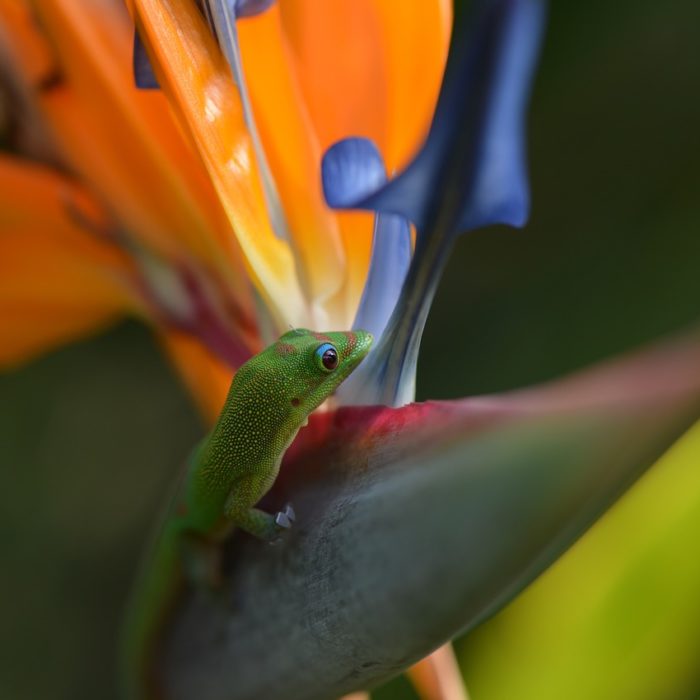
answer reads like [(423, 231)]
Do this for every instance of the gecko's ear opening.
[(295, 333)]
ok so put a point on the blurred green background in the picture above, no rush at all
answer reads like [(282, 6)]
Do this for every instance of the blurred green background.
[(91, 435)]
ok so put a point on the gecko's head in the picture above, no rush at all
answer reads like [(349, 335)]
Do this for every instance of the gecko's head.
[(314, 364)]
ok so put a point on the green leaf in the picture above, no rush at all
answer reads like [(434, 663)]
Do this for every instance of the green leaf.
[(624, 602)]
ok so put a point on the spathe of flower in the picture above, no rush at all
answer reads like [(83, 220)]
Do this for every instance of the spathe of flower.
[(416, 524)]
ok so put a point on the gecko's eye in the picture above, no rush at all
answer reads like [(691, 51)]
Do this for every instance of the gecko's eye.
[(327, 357)]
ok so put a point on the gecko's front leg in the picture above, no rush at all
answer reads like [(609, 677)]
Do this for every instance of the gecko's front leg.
[(257, 522)]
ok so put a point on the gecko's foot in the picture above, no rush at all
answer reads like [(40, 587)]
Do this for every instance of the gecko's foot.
[(285, 518)]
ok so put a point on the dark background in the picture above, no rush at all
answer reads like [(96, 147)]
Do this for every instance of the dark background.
[(90, 436)]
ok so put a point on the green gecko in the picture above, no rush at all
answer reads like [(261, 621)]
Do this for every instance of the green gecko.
[(270, 399)]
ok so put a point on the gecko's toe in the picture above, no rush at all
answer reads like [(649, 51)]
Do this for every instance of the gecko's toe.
[(283, 520)]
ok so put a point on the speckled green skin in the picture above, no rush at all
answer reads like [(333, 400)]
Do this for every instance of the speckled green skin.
[(269, 400)]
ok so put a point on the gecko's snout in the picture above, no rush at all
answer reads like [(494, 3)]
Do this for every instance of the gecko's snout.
[(363, 343)]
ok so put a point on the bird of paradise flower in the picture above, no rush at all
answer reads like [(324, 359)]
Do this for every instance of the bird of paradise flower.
[(202, 208)]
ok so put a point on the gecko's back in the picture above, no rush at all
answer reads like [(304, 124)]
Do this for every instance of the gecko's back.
[(269, 400)]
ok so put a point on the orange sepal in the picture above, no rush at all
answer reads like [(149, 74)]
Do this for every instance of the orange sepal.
[(19, 30), (195, 75), (293, 151), (417, 38), (123, 141), (356, 230), (58, 281), (370, 68), (204, 374)]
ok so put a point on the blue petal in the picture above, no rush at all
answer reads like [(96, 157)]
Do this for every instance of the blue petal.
[(471, 171), (391, 257), (144, 77), (351, 169), (389, 264), (237, 8)]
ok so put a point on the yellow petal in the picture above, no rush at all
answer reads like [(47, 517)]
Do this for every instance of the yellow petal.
[(58, 281), (195, 75)]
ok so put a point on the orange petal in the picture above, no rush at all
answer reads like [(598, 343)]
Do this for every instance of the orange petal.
[(293, 152), (57, 281), (195, 75), (207, 377)]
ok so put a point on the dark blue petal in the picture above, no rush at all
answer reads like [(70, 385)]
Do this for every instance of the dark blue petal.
[(250, 8), (471, 171), (144, 77), (351, 170)]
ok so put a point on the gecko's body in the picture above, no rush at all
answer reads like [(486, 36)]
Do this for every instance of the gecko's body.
[(269, 400)]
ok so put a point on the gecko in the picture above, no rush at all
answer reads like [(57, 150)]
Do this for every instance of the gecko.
[(234, 466)]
